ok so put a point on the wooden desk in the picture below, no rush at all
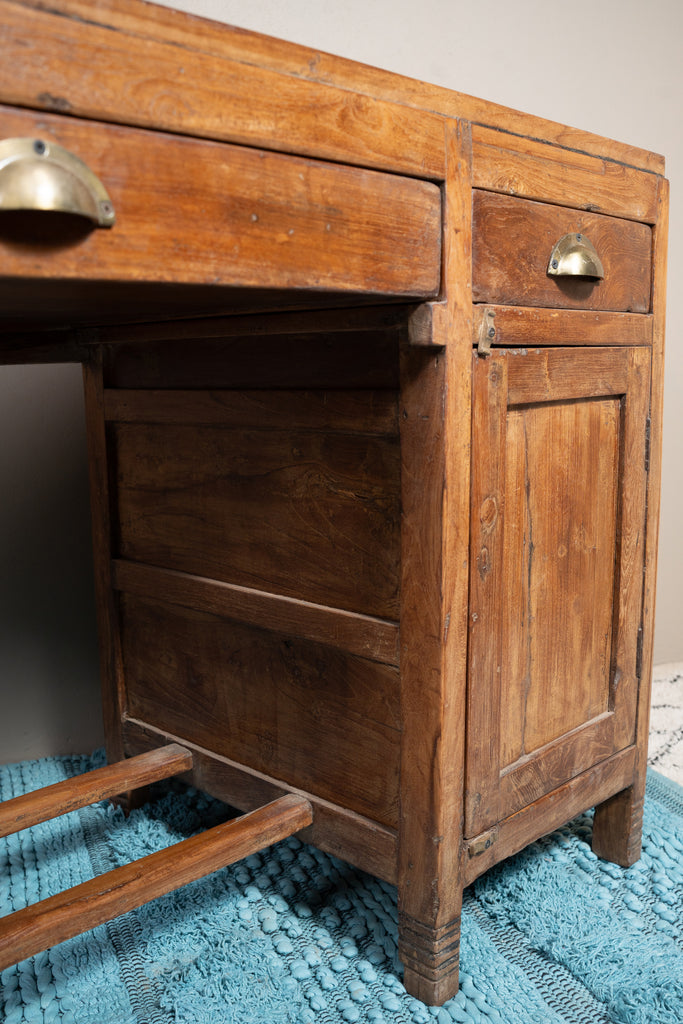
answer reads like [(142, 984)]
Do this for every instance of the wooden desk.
[(375, 492)]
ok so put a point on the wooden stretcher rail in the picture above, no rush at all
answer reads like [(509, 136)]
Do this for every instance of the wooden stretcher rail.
[(85, 906), (100, 784)]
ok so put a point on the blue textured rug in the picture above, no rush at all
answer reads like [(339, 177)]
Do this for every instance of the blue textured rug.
[(552, 936)]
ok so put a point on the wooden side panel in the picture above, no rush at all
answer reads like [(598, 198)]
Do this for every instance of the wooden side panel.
[(308, 513), (316, 718), (557, 563), (194, 212), (561, 515), (618, 822), (512, 242)]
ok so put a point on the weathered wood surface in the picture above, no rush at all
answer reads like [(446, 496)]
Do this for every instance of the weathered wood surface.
[(512, 242), (513, 833), (435, 454), (532, 169), (557, 560), (317, 718), (336, 829), (618, 822), (377, 639), (160, 57), (89, 904), (311, 515), (204, 213), (530, 327)]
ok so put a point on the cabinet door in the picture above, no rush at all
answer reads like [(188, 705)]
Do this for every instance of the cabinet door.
[(557, 549)]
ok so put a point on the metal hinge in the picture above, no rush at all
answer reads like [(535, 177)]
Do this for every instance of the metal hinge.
[(483, 842), (648, 423), (487, 333)]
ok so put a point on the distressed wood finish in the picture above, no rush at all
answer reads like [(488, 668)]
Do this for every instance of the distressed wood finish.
[(319, 719), (289, 511), (203, 213), (556, 569), (435, 436), (374, 498), (335, 829), (543, 327), (513, 240), (531, 169), (221, 76)]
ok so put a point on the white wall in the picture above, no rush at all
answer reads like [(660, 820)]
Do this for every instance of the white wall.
[(608, 66)]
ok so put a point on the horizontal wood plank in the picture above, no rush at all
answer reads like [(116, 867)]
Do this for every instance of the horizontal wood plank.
[(367, 412), (375, 639), (99, 784), (335, 829), (304, 360), (547, 767), (203, 213), (91, 903), (557, 375), (536, 170), (517, 326)]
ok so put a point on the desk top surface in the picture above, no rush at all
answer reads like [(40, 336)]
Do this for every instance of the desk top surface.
[(134, 63)]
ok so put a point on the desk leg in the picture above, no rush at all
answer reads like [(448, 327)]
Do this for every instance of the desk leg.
[(111, 669), (434, 554)]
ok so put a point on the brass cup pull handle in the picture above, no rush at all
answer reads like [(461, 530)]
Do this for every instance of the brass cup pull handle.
[(39, 175), (575, 256)]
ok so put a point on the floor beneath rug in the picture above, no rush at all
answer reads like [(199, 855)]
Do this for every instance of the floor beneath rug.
[(666, 721)]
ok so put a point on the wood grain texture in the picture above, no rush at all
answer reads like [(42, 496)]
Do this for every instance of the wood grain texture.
[(512, 242), (146, 80), (307, 66), (319, 719), (376, 639), (598, 784), (336, 829), (312, 515), (617, 824), (111, 672), (489, 400), (91, 787), (518, 327), (204, 213), (532, 169), (557, 561), (374, 413), (89, 904), (435, 432)]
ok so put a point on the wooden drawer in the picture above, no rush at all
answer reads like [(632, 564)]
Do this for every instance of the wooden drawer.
[(512, 243), (218, 216)]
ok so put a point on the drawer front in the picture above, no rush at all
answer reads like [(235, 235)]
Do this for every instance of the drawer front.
[(211, 214), (512, 244)]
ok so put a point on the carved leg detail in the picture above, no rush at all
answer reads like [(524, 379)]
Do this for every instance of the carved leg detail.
[(618, 826), (430, 958)]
